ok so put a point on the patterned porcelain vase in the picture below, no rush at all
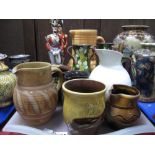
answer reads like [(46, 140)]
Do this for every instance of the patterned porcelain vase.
[(35, 95), (128, 42), (82, 57), (145, 79), (7, 83)]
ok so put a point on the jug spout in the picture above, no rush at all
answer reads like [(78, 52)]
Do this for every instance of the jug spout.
[(109, 57), (124, 96), (31, 74), (15, 70), (18, 70)]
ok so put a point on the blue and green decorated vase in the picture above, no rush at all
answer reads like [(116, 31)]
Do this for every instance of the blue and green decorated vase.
[(82, 58), (145, 75)]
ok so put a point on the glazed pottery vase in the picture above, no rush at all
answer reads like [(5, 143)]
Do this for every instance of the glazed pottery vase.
[(82, 57), (7, 83), (86, 37), (110, 70), (84, 104), (128, 42), (131, 37), (145, 75), (36, 94), (122, 110)]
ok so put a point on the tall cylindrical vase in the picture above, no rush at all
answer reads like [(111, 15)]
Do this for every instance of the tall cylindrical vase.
[(83, 38)]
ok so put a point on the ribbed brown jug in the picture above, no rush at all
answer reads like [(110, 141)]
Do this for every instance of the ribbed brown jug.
[(35, 97)]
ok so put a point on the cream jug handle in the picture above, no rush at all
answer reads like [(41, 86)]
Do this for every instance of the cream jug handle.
[(58, 83)]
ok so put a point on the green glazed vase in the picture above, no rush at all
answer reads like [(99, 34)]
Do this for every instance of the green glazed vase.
[(7, 84)]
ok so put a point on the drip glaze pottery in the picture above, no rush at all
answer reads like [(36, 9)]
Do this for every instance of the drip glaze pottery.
[(110, 70), (36, 94), (122, 110), (84, 104)]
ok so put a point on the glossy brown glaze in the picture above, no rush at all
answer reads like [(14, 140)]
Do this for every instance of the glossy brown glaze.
[(122, 108)]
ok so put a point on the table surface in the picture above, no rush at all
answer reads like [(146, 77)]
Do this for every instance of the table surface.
[(56, 126)]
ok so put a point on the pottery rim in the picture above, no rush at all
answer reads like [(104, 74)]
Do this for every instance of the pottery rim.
[(23, 66), (126, 95), (106, 43), (27, 66), (83, 30), (80, 93), (108, 50), (19, 56), (147, 44), (79, 45), (134, 27)]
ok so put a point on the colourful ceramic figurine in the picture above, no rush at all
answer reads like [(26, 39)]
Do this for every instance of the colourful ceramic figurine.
[(56, 42), (7, 83)]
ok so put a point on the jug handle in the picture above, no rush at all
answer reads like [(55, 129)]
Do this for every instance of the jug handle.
[(93, 50), (55, 69), (70, 53), (94, 54), (100, 39)]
